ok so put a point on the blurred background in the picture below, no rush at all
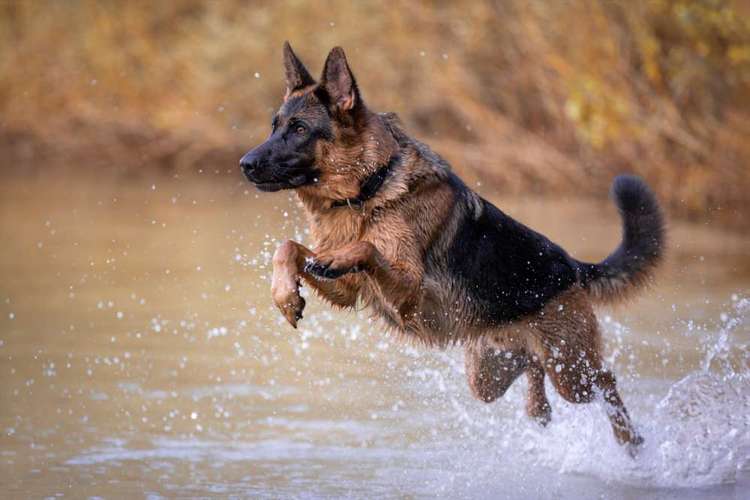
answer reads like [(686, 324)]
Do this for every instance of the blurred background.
[(528, 96), (140, 354)]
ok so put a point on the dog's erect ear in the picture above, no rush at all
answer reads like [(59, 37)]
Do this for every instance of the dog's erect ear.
[(297, 75), (338, 81)]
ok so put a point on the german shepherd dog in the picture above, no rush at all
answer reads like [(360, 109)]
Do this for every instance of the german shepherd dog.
[(396, 230)]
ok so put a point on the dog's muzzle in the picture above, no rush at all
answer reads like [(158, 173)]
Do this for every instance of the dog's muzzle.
[(268, 177)]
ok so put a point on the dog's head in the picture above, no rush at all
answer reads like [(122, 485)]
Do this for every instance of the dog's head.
[(322, 138)]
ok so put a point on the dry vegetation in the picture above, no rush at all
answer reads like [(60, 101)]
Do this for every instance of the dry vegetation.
[(542, 96)]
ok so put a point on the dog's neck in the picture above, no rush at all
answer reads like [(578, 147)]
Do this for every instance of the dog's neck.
[(369, 186), (352, 173)]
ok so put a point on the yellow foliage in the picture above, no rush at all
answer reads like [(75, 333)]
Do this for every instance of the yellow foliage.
[(529, 94)]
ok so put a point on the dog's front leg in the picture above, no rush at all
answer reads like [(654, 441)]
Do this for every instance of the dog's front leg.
[(289, 261), (397, 280)]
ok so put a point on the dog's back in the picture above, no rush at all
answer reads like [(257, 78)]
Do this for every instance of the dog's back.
[(485, 270)]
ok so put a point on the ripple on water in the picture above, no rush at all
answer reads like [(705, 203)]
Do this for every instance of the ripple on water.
[(697, 432)]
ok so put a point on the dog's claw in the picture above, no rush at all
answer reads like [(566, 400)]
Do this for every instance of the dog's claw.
[(541, 413), (634, 447), (543, 419), (297, 317), (293, 312)]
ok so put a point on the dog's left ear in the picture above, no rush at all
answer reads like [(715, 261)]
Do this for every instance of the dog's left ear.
[(338, 81)]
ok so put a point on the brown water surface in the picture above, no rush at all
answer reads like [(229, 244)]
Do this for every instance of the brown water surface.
[(140, 355)]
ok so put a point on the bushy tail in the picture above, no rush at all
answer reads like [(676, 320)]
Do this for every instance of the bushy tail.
[(631, 265)]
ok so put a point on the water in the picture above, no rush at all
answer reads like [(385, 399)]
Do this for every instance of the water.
[(140, 355)]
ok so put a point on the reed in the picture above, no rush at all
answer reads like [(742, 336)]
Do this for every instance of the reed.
[(526, 96)]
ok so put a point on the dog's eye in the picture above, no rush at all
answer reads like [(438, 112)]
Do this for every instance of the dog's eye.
[(300, 129)]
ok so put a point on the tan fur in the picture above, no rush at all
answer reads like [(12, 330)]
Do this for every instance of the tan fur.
[(393, 261), (562, 341), (620, 289), (383, 246)]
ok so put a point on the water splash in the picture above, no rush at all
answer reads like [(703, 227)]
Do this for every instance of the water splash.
[(697, 433)]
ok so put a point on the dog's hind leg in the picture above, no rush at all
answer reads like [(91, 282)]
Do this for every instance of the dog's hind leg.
[(491, 371), (622, 426), (578, 376), (537, 406), (567, 342)]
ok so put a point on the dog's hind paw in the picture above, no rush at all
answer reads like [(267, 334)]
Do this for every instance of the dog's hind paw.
[(634, 446), (541, 414)]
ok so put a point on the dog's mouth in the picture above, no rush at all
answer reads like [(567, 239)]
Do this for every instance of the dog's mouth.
[(277, 185)]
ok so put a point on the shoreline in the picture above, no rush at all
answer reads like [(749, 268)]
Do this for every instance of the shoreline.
[(121, 152)]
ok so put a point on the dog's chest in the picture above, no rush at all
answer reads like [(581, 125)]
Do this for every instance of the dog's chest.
[(337, 229)]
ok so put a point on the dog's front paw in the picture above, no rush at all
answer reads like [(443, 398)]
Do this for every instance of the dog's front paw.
[(329, 268), (288, 300), (291, 307)]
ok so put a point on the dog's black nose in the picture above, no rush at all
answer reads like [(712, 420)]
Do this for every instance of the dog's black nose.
[(248, 163), (247, 166)]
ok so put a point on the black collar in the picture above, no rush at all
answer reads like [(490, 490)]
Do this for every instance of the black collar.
[(369, 186)]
